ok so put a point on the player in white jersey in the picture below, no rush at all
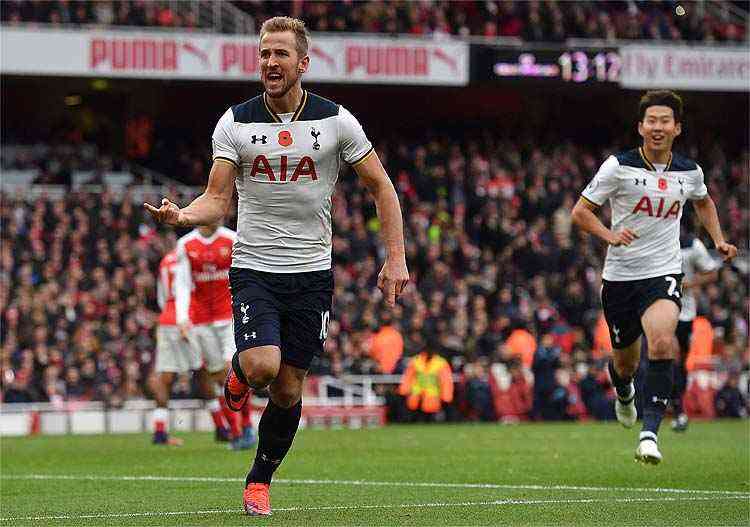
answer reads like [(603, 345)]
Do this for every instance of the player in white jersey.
[(641, 293), (283, 149), (699, 268)]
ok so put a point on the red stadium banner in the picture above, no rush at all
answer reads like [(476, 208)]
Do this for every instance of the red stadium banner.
[(140, 54)]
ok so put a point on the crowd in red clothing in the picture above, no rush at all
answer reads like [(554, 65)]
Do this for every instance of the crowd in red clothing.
[(534, 21)]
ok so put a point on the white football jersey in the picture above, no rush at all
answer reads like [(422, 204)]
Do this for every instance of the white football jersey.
[(287, 168), (649, 201), (695, 259)]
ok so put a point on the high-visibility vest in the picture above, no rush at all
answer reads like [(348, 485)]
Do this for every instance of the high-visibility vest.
[(427, 383)]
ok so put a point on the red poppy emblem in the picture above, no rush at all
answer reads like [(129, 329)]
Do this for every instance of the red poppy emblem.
[(285, 138), (662, 184)]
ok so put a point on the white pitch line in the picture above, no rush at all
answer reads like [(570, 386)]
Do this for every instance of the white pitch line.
[(365, 483), (494, 503)]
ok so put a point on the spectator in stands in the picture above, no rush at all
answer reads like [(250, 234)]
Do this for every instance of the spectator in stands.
[(532, 21), (545, 365), (476, 393), (76, 270), (729, 400)]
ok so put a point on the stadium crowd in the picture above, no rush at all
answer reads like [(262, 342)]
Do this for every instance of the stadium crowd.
[(502, 285), (536, 21)]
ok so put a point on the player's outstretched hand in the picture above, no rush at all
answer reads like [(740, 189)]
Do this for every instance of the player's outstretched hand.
[(624, 237), (392, 280), (727, 251), (168, 213)]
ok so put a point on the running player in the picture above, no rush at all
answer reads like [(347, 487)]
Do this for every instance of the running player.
[(284, 149), (699, 269), (173, 354), (204, 318), (641, 287)]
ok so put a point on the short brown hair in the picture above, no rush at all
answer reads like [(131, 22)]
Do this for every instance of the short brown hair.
[(279, 24), (661, 98)]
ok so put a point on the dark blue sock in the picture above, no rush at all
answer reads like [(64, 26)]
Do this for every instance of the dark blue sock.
[(679, 385), (656, 391), (621, 384), (276, 432)]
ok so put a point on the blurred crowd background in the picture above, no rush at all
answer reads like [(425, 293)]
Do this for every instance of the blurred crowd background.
[(502, 285), (530, 21)]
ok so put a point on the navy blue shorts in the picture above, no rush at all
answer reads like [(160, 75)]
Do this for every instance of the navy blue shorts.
[(288, 310), (625, 303)]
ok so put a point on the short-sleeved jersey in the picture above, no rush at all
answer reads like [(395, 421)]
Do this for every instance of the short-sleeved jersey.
[(695, 260), (202, 293), (287, 169), (649, 201), (165, 289)]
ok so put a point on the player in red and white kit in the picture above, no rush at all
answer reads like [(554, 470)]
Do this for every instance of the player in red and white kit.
[(173, 354), (203, 306)]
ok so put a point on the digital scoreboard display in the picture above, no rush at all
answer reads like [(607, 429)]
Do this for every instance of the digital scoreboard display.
[(575, 66)]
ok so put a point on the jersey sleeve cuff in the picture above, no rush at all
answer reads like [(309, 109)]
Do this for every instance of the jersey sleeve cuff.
[(588, 200), (363, 157), (227, 160)]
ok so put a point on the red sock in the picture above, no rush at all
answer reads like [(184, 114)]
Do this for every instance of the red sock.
[(247, 412), (232, 418), (217, 415)]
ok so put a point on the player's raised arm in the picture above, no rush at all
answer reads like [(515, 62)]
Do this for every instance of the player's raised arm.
[(394, 276), (705, 208), (208, 208)]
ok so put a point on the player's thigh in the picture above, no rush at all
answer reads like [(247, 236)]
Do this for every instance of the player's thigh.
[(304, 327), (208, 342), (620, 306), (256, 313), (173, 353), (659, 321), (660, 303)]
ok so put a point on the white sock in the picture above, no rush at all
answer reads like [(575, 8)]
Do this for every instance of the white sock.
[(161, 415)]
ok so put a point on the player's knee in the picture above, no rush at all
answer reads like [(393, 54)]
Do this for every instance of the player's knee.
[(259, 369), (661, 347), (285, 396)]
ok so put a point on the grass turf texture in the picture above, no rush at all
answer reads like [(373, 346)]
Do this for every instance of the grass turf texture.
[(124, 480)]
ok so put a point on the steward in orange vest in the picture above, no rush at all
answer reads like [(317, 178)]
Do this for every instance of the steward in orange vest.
[(427, 383)]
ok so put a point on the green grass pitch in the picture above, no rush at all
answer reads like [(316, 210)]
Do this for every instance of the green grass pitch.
[(531, 474)]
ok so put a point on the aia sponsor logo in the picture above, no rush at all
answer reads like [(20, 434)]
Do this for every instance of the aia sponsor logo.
[(305, 168), (646, 206)]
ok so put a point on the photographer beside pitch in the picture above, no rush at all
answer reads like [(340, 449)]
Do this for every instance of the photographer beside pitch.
[(283, 150), (641, 282)]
